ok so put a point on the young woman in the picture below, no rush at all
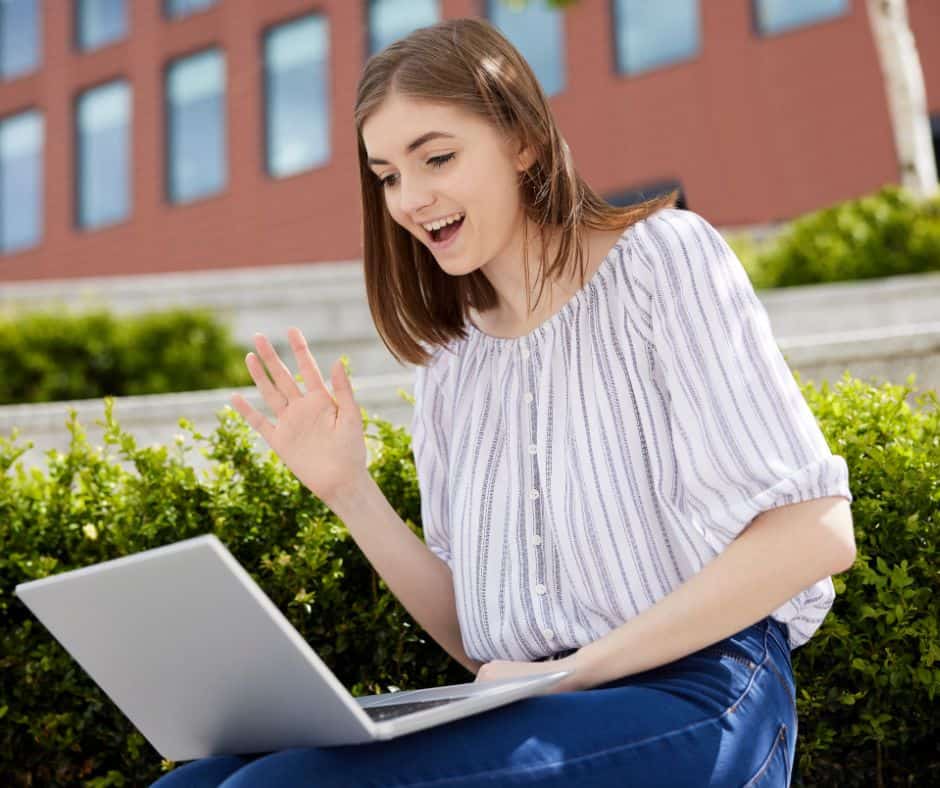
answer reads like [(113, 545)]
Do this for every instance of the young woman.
[(616, 466)]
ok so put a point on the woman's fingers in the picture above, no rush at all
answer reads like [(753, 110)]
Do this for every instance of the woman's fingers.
[(309, 369), (269, 392), (282, 376), (255, 420)]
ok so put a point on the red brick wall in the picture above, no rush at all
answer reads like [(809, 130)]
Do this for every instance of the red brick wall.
[(756, 129)]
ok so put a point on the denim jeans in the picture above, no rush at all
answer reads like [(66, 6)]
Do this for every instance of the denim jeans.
[(723, 716)]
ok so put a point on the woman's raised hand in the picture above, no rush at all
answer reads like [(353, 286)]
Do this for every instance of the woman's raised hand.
[(317, 436)]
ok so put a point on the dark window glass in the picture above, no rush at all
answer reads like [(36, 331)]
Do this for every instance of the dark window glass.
[(651, 34), (175, 9), (103, 134), (390, 20), (99, 22), (21, 149), (195, 91), (648, 191), (935, 133), (297, 105), (19, 37), (779, 16), (538, 32)]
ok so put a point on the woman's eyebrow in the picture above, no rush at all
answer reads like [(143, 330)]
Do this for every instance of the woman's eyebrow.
[(415, 144)]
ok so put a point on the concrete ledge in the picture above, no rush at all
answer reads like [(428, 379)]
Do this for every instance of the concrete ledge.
[(869, 304), (892, 354), (154, 419), (328, 301)]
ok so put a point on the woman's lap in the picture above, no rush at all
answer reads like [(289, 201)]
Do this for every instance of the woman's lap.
[(719, 717)]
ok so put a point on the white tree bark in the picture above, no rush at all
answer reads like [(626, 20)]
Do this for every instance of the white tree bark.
[(907, 97)]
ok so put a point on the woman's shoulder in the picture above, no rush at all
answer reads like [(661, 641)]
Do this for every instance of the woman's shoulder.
[(668, 224), (679, 245)]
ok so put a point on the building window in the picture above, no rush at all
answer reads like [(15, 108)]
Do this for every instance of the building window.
[(21, 148), (390, 20), (195, 99), (176, 9), (19, 37), (297, 105), (651, 35), (538, 32), (779, 16), (103, 121), (647, 191), (935, 135), (99, 22)]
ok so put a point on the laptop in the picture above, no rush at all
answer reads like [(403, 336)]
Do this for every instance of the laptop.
[(203, 663)]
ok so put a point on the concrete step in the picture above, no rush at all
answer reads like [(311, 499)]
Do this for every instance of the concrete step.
[(889, 353)]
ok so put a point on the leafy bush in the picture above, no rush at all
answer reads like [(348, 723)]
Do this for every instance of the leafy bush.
[(884, 234), (49, 357), (56, 727), (867, 681)]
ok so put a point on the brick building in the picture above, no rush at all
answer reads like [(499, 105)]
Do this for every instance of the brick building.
[(142, 136)]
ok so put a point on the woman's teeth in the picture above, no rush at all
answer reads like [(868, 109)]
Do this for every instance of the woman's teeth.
[(431, 226), (446, 228)]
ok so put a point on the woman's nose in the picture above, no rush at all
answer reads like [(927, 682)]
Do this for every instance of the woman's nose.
[(413, 197)]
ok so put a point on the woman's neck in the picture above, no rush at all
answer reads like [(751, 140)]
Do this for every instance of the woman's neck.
[(509, 319)]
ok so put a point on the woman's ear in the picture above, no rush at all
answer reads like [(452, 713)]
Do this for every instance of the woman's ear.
[(525, 159)]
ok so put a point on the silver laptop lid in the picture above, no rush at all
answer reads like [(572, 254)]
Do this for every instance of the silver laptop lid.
[(227, 671)]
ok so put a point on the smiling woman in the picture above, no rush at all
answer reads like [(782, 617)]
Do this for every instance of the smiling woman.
[(452, 121), (619, 477)]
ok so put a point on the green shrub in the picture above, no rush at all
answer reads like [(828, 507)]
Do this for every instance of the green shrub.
[(49, 357), (867, 681), (56, 727), (884, 234)]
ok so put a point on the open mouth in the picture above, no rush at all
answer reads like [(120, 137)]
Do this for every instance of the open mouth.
[(444, 234)]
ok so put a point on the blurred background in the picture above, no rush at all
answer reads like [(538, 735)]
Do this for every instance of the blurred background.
[(200, 156)]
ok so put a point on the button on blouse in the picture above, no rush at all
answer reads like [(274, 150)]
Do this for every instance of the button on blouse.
[(667, 420)]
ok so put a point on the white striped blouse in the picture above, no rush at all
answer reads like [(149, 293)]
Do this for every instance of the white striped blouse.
[(573, 477)]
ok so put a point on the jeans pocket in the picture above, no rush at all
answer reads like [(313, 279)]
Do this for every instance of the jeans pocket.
[(775, 768)]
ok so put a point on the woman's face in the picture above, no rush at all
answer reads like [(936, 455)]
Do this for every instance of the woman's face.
[(460, 166)]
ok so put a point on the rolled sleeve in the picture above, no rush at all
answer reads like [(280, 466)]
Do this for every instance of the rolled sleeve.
[(745, 437)]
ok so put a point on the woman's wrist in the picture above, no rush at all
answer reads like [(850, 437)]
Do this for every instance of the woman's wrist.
[(583, 670), (344, 499)]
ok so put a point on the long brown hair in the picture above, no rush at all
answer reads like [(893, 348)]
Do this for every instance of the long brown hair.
[(468, 63)]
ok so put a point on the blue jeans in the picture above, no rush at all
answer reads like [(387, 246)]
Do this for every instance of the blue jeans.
[(723, 716)]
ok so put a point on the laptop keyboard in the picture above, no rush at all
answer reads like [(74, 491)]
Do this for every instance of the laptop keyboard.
[(393, 711)]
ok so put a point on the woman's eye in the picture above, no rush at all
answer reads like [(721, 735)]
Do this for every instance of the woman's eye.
[(440, 161), (436, 161)]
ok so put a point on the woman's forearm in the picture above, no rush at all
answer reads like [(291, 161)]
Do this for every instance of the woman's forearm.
[(782, 552), (420, 580)]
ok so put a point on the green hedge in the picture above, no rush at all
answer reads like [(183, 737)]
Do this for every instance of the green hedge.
[(49, 357), (884, 234), (867, 681)]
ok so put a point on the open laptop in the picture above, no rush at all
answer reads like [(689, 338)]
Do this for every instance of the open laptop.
[(203, 663)]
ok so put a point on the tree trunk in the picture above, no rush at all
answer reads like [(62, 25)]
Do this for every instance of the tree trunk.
[(907, 98)]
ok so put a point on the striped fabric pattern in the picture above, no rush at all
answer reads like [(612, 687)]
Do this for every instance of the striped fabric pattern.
[(573, 477)]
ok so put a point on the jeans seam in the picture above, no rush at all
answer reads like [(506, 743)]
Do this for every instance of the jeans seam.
[(599, 753), (778, 740), (783, 683)]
